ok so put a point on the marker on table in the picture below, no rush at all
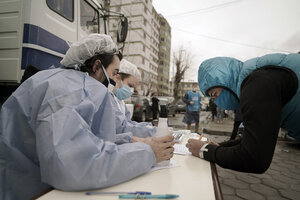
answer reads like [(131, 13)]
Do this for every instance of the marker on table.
[(158, 196), (129, 193), (201, 137)]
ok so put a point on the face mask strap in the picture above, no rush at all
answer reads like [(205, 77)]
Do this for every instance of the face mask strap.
[(105, 74)]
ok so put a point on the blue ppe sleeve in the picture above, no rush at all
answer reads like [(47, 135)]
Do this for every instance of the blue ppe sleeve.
[(123, 125), (123, 138)]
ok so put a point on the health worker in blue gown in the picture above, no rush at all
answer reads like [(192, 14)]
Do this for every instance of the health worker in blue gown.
[(126, 81), (58, 128)]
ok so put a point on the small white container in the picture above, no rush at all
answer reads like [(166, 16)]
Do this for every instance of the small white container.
[(162, 130)]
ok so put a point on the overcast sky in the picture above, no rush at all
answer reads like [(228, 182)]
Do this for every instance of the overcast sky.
[(236, 28)]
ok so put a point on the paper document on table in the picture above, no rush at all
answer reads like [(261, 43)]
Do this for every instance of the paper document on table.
[(171, 164), (181, 149)]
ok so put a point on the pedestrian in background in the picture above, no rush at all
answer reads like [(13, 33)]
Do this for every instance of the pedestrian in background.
[(192, 99), (213, 109), (154, 106), (220, 114)]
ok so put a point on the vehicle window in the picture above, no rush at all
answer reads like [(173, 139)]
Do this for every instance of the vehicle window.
[(134, 99), (89, 18), (65, 8)]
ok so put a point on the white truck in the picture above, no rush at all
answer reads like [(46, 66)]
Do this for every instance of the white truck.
[(39, 32)]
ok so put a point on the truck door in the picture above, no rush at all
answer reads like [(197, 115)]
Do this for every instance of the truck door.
[(88, 18)]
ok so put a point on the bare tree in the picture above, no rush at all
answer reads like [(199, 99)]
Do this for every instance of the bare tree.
[(149, 85), (182, 60), (149, 89)]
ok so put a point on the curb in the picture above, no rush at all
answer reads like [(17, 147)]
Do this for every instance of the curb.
[(207, 131), (216, 132)]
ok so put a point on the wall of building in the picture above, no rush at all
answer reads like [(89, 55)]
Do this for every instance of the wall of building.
[(164, 57), (143, 43)]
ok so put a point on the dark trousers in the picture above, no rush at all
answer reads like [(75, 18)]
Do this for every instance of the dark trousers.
[(213, 114), (154, 114), (235, 129)]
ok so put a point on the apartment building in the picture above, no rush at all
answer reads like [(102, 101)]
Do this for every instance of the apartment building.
[(186, 86), (164, 57), (143, 42)]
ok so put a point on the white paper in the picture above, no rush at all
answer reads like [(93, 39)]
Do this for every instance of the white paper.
[(172, 164), (181, 149)]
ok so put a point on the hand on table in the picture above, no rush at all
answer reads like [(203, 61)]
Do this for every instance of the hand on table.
[(162, 147), (194, 146)]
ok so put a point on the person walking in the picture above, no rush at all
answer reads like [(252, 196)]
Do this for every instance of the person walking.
[(220, 114), (192, 99), (155, 105), (213, 109)]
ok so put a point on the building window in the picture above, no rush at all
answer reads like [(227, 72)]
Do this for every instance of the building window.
[(65, 8), (145, 35), (144, 47), (143, 60), (145, 22)]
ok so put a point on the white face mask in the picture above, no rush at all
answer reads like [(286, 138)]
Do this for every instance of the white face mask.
[(110, 86)]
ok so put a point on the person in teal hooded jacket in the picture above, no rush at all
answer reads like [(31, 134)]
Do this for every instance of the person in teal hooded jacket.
[(266, 90)]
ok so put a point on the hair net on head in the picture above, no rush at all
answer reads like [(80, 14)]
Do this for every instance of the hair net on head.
[(87, 47), (127, 67)]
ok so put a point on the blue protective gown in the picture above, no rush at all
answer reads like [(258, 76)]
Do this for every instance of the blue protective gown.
[(58, 129), (124, 124), (230, 73)]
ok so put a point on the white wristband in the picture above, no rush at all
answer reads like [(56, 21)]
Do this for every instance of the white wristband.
[(203, 148)]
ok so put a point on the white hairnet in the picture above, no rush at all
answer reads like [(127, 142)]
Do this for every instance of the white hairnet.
[(127, 67), (87, 47)]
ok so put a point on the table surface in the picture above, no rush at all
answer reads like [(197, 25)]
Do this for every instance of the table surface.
[(192, 179)]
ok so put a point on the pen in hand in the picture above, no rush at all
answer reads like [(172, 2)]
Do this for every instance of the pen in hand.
[(200, 137)]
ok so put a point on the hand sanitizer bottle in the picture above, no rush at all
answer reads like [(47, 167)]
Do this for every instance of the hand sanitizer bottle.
[(162, 130)]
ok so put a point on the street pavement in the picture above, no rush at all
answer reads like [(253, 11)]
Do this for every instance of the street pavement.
[(280, 181)]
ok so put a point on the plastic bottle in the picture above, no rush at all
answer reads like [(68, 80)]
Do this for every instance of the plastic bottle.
[(162, 130)]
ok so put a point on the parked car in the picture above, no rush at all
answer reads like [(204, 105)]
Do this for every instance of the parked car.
[(141, 108), (166, 107), (180, 106)]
